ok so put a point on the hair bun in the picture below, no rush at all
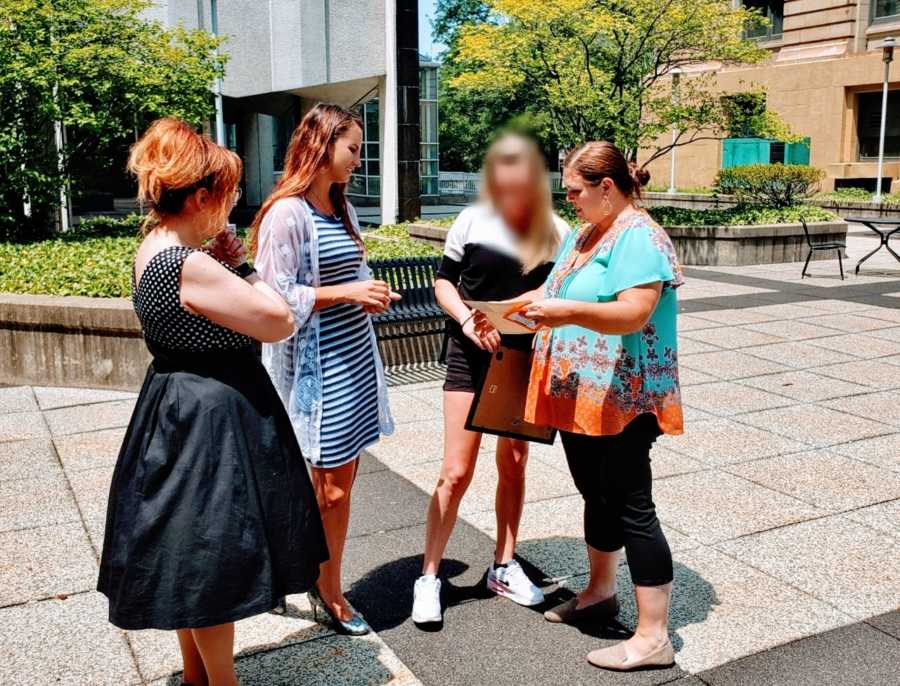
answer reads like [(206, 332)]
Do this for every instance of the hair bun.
[(640, 174)]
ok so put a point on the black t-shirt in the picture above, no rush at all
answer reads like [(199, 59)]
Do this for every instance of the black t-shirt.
[(480, 258)]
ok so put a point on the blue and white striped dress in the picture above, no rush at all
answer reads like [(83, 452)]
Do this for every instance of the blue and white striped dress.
[(349, 382)]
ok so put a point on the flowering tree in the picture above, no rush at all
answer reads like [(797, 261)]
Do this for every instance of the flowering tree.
[(601, 69)]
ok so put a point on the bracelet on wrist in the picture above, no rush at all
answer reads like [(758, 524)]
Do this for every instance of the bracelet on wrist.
[(466, 320), (245, 269)]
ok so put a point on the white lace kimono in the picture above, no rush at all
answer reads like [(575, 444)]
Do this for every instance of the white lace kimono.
[(288, 260)]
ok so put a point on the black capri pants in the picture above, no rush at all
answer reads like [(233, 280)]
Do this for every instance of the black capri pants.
[(612, 473)]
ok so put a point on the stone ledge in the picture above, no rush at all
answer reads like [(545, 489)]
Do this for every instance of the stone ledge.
[(68, 314)]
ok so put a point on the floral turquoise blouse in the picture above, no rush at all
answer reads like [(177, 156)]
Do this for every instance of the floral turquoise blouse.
[(592, 383)]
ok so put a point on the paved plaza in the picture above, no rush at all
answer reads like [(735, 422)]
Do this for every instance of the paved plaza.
[(781, 502)]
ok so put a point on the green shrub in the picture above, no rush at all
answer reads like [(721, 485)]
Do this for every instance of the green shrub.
[(102, 225), (769, 185), (740, 215), (856, 195), (400, 247)]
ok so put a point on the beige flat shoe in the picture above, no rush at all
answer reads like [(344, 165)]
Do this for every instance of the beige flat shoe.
[(568, 613), (616, 658)]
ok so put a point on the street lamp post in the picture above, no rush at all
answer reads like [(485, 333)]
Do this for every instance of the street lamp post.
[(887, 56), (676, 77)]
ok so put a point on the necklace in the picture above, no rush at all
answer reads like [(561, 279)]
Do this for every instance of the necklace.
[(317, 202)]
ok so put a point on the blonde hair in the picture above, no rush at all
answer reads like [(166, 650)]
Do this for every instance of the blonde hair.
[(171, 161), (542, 239)]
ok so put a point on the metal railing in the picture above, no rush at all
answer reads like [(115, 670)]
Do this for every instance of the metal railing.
[(465, 183)]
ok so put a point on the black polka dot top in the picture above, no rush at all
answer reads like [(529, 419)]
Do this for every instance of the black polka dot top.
[(166, 323)]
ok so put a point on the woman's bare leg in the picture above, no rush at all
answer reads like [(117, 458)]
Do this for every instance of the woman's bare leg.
[(460, 453), (512, 458), (602, 584), (194, 673), (216, 646), (333, 487)]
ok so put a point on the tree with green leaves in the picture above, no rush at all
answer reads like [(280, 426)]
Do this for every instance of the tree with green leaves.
[(103, 71), (601, 69)]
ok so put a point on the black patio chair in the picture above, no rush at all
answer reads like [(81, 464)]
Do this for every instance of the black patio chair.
[(813, 247)]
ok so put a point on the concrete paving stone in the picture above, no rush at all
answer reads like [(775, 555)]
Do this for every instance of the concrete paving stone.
[(50, 398), (727, 337), (862, 345), (851, 323), (82, 418), (44, 562), (890, 314), (731, 365), (433, 395), (384, 500), (816, 425), (690, 322), (882, 451), (726, 398), (856, 655), (666, 463), (28, 460), (892, 334), (735, 317), (884, 517), (690, 346), (889, 623), (846, 564), (89, 450), (692, 415), (542, 482), (158, 655), (836, 306), (411, 444), (717, 442), (786, 311), (688, 376), (328, 661), (91, 488), (791, 329), (713, 506), (407, 408), (804, 386), (883, 406), (824, 479), (30, 503), (19, 426), (17, 399), (67, 642), (799, 354)]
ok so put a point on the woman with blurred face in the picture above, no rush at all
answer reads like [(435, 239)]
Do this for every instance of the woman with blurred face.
[(495, 250), (211, 515), (328, 372)]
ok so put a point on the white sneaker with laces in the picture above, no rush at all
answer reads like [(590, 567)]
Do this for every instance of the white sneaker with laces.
[(427, 600), (512, 582)]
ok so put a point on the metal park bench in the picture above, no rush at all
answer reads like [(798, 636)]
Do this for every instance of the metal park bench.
[(412, 330)]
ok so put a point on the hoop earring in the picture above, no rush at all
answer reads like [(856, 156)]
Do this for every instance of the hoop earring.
[(608, 208)]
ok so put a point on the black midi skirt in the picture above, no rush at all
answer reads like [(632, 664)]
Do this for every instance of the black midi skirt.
[(211, 515)]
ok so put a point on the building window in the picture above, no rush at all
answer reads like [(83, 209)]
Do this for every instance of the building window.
[(884, 9), (367, 179), (868, 125), (428, 123), (773, 10)]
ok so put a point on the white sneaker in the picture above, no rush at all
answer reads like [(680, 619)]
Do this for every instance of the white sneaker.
[(427, 600), (512, 582)]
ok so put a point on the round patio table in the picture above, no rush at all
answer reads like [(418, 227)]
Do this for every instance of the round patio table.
[(883, 236)]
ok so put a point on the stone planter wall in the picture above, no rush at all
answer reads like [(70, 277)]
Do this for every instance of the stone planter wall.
[(706, 202), (97, 343), (723, 245)]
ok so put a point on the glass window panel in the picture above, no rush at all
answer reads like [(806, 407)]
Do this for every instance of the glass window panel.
[(374, 186), (372, 151), (372, 121), (372, 168), (432, 151), (887, 8), (773, 10), (357, 185), (869, 125)]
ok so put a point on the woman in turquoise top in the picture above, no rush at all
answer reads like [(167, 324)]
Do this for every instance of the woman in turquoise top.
[(605, 374)]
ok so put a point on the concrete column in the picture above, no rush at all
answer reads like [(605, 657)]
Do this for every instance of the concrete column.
[(408, 149), (387, 118)]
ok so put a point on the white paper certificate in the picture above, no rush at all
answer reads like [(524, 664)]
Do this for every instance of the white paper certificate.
[(505, 315)]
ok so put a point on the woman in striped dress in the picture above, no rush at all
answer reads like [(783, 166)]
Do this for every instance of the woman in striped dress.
[(329, 373)]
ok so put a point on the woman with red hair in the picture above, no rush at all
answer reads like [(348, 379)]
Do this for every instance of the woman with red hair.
[(211, 516), (328, 372)]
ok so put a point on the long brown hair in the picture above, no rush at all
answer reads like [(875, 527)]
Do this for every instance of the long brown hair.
[(310, 150), (171, 161), (542, 240), (597, 160)]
